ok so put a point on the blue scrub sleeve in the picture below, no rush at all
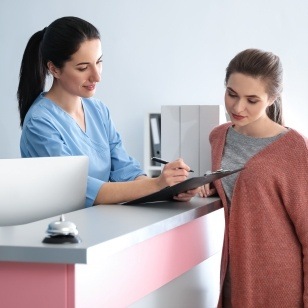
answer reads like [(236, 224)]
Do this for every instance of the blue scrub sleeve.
[(93, 187), (50, 144)]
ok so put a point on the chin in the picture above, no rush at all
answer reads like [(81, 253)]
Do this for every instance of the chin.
[(87, 95), (239, 124)]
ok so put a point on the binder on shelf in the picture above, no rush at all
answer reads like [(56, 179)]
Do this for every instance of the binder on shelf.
[(210, 117), (189, 135), (155, 120), (170, 132)]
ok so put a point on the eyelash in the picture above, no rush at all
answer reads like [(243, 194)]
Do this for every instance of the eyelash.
[(84, 68), (231, 95), (234, 95)]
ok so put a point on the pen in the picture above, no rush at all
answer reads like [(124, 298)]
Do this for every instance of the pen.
[(158, 160)]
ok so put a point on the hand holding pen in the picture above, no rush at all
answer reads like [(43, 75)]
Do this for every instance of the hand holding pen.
[(175, 172), (158, 160)]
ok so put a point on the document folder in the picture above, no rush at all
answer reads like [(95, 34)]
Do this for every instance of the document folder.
[(167, 194), (155, 126)]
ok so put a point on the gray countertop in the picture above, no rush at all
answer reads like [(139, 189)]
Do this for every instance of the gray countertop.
[(103, 229)]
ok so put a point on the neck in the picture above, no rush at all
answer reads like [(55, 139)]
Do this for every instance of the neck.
[(71, 104), (263, 128)]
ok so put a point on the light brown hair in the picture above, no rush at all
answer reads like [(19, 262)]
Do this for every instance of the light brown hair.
[(266, 66)]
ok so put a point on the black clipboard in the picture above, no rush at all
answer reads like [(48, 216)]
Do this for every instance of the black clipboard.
[(167, 194)]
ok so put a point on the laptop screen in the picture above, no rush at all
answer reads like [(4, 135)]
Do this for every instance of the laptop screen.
[(36, 188)]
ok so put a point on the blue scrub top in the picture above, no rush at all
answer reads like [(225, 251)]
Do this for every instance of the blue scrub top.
[(48, 130)]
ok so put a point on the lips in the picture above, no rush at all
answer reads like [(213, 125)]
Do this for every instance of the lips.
[(90, 87), (237, 117)]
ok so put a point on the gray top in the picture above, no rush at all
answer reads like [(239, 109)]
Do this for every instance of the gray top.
[(103, 229), (238, 150)]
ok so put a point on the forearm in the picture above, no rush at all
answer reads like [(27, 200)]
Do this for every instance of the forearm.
[(117, 192)]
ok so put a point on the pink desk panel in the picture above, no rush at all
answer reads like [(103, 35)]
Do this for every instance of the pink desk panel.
[(117, 280)]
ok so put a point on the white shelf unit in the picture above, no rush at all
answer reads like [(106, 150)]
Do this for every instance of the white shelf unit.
[(150, 170), (185, 133)]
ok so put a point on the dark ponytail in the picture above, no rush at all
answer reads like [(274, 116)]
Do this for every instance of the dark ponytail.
[(32, 74), (56, 43)]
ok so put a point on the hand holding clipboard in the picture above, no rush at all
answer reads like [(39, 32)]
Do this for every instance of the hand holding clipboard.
[(167, 193)]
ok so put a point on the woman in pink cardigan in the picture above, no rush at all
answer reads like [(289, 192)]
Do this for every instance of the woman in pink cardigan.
[(265, 253)]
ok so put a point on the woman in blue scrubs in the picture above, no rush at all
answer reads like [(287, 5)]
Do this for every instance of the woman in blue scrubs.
[(67, 120)]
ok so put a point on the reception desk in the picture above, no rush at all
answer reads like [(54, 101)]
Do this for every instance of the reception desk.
[(126, 253)]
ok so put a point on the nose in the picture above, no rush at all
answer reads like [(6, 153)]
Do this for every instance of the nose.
[(239, 106), (95, 74)]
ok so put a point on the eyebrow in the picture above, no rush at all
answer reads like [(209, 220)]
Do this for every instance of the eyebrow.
[(86, 63), (250, 96)]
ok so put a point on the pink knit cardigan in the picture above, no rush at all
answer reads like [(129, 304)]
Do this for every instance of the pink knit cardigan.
[(267, 227)]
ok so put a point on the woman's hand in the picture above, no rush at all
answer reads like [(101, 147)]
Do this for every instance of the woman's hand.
[(186, 196), (207, 190), (173, 173)]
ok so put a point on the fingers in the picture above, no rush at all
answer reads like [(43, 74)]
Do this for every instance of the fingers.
[(177, 164), (183, 199), (174, 172), (178, 171), (186, 196), (207, 191)]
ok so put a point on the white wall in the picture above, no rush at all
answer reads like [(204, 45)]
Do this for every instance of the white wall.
[(161, 52)]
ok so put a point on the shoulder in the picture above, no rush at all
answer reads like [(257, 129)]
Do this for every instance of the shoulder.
[(41, 109), (296, 140), (219, 131), (291, 150)]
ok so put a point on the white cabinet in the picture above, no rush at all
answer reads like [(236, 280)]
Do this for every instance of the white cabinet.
[(185, 133)]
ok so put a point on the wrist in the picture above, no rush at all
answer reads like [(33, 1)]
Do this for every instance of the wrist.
[(159, 183)]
